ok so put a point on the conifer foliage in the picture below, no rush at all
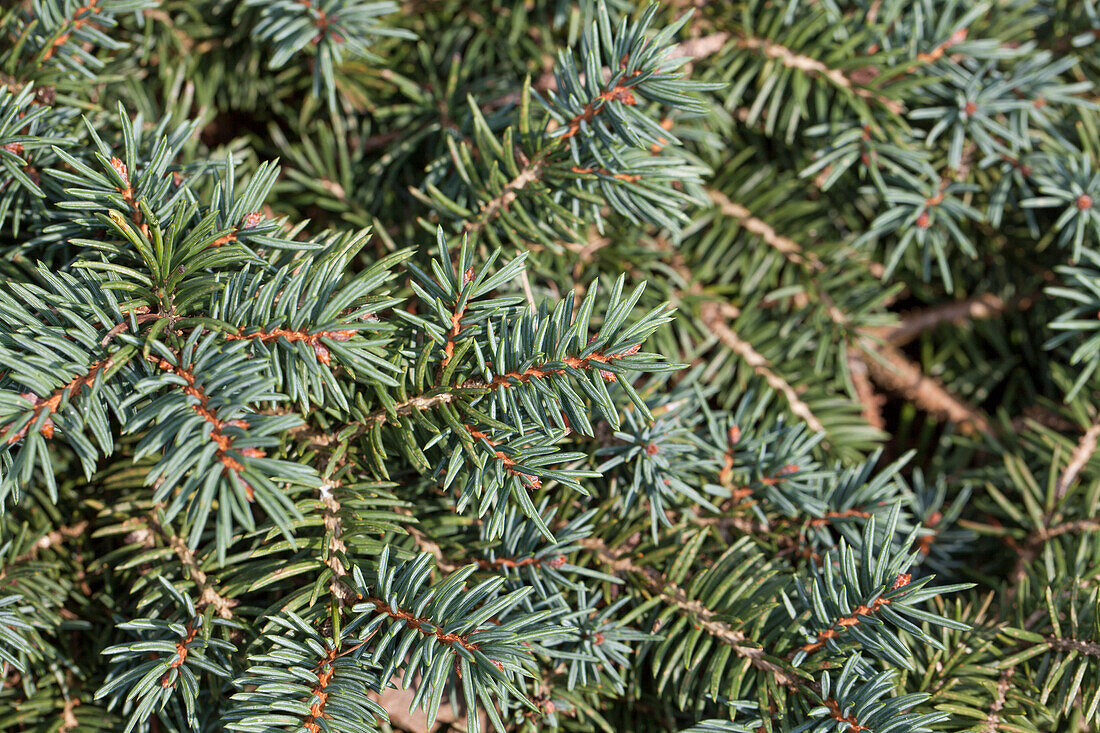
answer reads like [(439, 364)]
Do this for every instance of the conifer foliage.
[(582, 366)]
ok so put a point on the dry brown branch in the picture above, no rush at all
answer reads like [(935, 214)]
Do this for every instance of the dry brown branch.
[(881, 362), (1085, 449), (871, 400), (894, 371), (979, 307)]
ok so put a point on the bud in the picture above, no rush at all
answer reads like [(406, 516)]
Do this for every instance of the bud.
[(120, 169)]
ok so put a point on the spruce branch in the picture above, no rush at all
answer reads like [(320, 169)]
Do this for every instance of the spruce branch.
[(895, 372), (207, 593), (716, 322), (297, 467), (814, 67), (1080, 457), (659, 585)]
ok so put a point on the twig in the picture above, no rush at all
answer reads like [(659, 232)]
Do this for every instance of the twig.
[(871, 400), (893, 371), (703, 616), (490, 208), (335, 547), (813, 67), (993, 720), (788, 247), (1085, 449), (882, 362), (1088, 648), (979, 307), (525, 281), (715, 321), (207, 594), (694, 48)]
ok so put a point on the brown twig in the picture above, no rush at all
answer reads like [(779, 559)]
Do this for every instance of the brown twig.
[(704, 617), (813, 67), (1029, 549), (335, 547), (423, 625), (218, 435), (51, 404), (872, 360), (693, 48), (509, 463), (456, 321), (785, 245), (711, 313), (1088, 648), (543, 370), (1080, 457), (207, 595), (492, 207), (871, 400), (854, 618), (326, 669), (312, 339), (893, 371), (180, 656), (837, 715)]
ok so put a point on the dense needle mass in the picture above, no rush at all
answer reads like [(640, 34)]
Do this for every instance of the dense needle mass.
[(719, 367)]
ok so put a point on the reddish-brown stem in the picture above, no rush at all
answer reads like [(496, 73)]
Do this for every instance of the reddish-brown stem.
[(412, 621), (508, 562), (830, 517), (129, 196), (532, 482), (508, 380), (854, 617), (838, 715), (217, 434), (325, 672), (619, 93), (51, 404), (456, 320), (181, 654), (79, 20), (313, 339), (628, 177)]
